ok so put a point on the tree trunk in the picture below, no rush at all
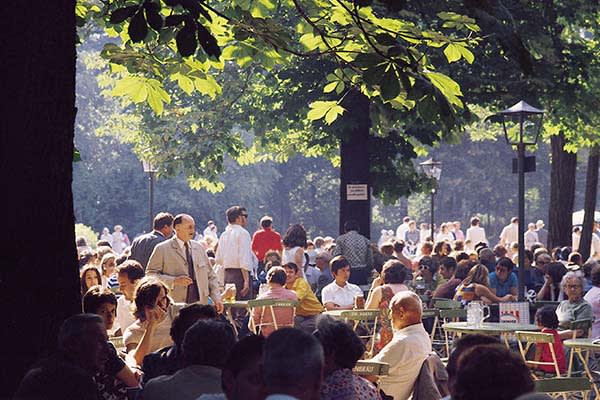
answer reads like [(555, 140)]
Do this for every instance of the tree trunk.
[(591, 188), (562, 193), (39, 282), (354, 169)]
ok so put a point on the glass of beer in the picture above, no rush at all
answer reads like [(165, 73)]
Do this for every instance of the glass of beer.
[(230, 292), (359, 302)]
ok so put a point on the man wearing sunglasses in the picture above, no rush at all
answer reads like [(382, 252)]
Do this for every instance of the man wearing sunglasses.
[(234, 252)]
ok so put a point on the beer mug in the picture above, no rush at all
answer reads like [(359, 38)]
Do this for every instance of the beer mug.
[(230, 292)]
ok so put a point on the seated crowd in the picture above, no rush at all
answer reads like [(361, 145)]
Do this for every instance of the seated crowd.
[(200, 347)]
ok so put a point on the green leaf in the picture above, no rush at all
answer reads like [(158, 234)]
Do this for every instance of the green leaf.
[(467, 54), (330, 87), (186, 40), (186, 84), (138, 30), (389, 85), (207, 86), (319, 109), (449, 88), (76, 154), (131, 87), (333, 113), (452, 52), (122, 14)]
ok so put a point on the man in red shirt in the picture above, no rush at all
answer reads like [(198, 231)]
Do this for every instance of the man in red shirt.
[(264, 240)]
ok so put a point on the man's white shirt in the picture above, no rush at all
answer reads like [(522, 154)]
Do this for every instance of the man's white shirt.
[(342, 296), (235, 250)]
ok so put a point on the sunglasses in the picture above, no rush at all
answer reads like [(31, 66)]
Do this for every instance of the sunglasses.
[(422, 267)]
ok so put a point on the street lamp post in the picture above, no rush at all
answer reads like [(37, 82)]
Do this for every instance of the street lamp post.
[(522, 124), (433, 169), (151, 171)]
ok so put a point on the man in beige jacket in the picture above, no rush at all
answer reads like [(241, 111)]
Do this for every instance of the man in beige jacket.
[(183, 266)]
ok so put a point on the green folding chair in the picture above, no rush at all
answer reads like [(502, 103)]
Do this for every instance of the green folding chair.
[(563, 387), (370, 319)]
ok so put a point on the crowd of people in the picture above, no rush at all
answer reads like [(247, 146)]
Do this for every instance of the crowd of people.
[(165, 294)]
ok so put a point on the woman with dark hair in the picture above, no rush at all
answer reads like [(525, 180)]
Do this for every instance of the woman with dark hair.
[(90, 276), (116, 376), (476, 286), (294, 243), (552, 290), (593, 297), (342, 349), (393, 275), (155, 312)]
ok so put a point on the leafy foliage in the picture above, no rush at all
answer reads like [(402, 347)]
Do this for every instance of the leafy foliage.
[(268, 47)]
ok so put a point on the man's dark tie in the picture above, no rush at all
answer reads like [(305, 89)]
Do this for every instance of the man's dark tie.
[(192, 290)]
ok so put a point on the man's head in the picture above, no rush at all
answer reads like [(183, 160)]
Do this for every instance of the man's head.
[(531, 227), (464, 343), (185, 227), (340, 269), (187, 316), (351, 225), (504, 268), (237, 215), (539, 224), (128, 275), (412, 225), (293, 364), (241, 378), (291, 272), (542, 260), (478, 374), (474, 221), (82, 339), (322, 260), (207, 342), (456, 225), (277, 276), (163, 223), (341, 345), (393, 271), (406, 309), (102, 302), (500, 251), (447, 267), (266, 222), (514, 220), (426, 248)]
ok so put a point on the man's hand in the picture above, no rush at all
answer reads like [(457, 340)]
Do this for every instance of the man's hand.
[(245, 289), (219, 307), (182, 280)]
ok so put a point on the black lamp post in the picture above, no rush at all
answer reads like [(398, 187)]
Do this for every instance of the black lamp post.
[(151, 171), (433, 169), (522, 125)]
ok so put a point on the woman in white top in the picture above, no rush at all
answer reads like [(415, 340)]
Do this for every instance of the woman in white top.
[(475, 233), (294, 243)]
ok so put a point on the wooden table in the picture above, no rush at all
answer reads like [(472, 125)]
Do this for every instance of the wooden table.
[(578, 346), (503, 329), (229, 305)]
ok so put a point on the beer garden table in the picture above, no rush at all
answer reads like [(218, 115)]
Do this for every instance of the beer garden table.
[(503, 329)]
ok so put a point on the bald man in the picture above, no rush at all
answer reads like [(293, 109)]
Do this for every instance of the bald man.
[(181, 263), (408, 349)]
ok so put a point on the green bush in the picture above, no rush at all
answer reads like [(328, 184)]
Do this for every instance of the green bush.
[(88, 233)]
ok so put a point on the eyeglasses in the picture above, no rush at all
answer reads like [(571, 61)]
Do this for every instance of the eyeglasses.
[(422, 267), (573, 287)]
